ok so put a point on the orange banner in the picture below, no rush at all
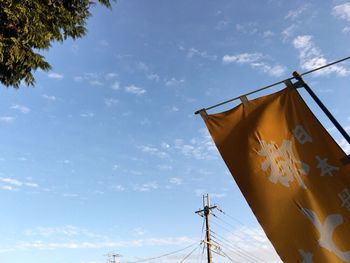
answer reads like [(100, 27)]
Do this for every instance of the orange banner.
[(289, 170)]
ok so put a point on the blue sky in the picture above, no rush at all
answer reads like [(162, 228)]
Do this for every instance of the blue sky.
[(105, 155)]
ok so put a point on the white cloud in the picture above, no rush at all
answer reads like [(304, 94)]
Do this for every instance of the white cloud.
[(252, 241), (146, 187), (242, 58), (342, 11), (115, 85), (164, 167), (139, 231), (311, 57), (288, 32), (54, 75), (135, 90), (294, 14), (111, 101), (96, 83), (174, 109), (248, 28), (111, 75), (65, 231), (268, 33), (11, 184), (222, 24), (103, 43), (142, 66), (192, 52), (11, 181), (255, 60), (20, 108), (150, 149), (40, 245), (119, 188), (87, 114), (7, 119), (175, 180), (174, 82), (201, 148), (153, 76), (48, 97)]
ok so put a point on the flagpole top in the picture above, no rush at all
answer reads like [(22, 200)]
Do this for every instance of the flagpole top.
[(199, 111)]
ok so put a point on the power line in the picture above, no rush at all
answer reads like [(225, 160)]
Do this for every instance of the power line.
[(164, 255), (227, 223), (230, 259), (234, 250), (189, 254), (236, 247)]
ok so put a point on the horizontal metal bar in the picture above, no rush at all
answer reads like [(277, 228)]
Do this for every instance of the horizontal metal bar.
[(272, 85)]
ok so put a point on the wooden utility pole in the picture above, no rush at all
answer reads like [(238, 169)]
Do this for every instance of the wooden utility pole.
[(205, 212)]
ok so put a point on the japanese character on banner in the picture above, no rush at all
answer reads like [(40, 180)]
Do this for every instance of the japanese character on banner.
[(344, 196), (326, 169), (283, 165), (301, 135)]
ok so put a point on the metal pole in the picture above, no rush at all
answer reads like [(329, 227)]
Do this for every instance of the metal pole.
[(298, 77), (207, 227), (206, 212)]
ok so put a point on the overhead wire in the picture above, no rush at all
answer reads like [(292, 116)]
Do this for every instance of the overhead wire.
[(163, 255), (189, 254), (236, 220), (230, 259), (233, 250), (236, 247)]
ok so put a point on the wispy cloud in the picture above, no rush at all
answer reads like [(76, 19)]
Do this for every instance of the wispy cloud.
[(256, 61), (11, 184), (111, 75), (21, 108), (289, 32), (253, 241), (115, 85), (175, 180), (153, 76), (250, 28), (192, 52), (110, 101), (201, 147), (87, 114), (41, 245), (118, 188), (174, 82), (146, 187), (153, 150), (132, 89), (48, 97), (311, 57), (342, 11), (54, 75), (296, 13), (7, 119)]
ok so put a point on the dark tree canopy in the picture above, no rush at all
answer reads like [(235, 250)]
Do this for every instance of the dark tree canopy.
[(28, 26)]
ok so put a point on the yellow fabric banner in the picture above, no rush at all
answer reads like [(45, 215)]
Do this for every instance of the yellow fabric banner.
[(289, 170)]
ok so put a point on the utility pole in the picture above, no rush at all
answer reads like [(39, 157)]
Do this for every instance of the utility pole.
[(205, 212), (112, 258)]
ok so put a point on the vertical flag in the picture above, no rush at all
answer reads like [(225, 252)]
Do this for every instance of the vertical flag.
[(289, 170)]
